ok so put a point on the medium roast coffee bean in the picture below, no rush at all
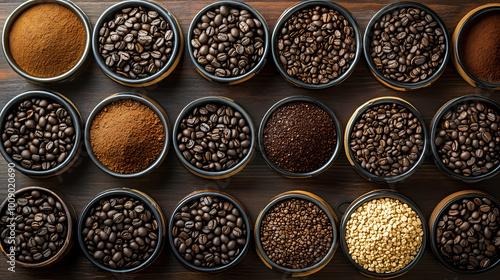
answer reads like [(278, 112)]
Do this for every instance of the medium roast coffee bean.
[(228, 42), (407, 45), (216, 240), (120, 232), (136, 43), (214, 137), (387, 140), (473, 245), (36, 228), (468, 139), (38, 134), (316, 45)]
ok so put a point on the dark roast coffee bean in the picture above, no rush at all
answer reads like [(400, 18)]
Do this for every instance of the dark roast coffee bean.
[(126, 240), (228, 44), (316, 45), (468, 141), (34, 240), (210, 244), (407, 45), (33, 137), (473, 244)]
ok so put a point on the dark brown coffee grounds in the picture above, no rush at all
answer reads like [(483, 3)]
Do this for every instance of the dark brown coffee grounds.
[(127, 136), (299, 137)]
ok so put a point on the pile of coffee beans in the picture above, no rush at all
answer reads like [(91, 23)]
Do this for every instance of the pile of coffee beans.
[(38, 134), (214, 137), (296, 233), (209, 232), (468, 233), (468, 139), (407, 45), (120, 232), (136, 43), (228, 41), (316, 45), (36, 226), (387, 140), (299, 137)]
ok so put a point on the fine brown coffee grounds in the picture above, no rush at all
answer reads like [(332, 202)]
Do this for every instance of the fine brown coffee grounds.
[(127, 136), (299, 137), (47, 40)]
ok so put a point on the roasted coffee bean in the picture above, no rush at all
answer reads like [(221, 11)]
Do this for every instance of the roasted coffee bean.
[(123, 226), (468, 141), (473, 243), (228, 44), (33, 239), (316, 45), (32, 137), (387, 140), (214, 137), (207, 245), (132, 47), (296, 234), (407, 45)]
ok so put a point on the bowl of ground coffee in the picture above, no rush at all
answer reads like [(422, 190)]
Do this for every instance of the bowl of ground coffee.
[(406, 46), (296, 233), (47, 42), (465, 232), (41, 133), (316, 44), (476, 47), (228, 42), (209, 231), (127, 135), (465, 138), (122, 230), (386, 140), (383, 234), (214, 137), (299, 137), (36, 226), (137, 43)]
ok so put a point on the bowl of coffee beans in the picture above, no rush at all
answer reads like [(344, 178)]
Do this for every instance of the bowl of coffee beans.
[(47, 42), (383, 234), (299, 137), (127, 135), (122, 230), (214, 137), (316, 44), (465, 136), (296, 233), (475, 47), (36, 226), (228, 42), (41, 133), (386, 140), (137, 43), (209, 231), (465, 232), (406, 46)]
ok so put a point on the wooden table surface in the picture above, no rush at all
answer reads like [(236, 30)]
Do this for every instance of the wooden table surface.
[(256, 184)]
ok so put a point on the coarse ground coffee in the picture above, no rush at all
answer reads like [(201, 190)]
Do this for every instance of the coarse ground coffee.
[(127, 136), (480, 47), (47, 40), (299, 137), (296, 234)]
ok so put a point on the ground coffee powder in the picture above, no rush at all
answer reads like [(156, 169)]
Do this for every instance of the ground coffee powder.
[(299, 137), (47, 40), (480, 47), (127, 136)]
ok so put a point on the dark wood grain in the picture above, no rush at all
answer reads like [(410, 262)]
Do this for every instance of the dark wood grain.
[(256, 184)]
